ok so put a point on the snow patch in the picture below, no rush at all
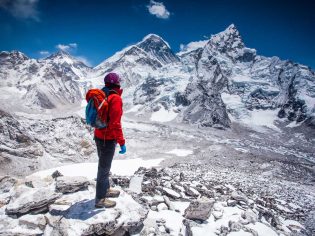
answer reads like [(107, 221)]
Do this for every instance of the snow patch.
[(163, 115), (180, 152), (89, 170)]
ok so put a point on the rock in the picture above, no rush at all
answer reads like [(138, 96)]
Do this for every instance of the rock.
[(28, 200), (162, 229), (199, 209), (56, 174), (189, 191), (153, 201), (35, 182), (66, 184), (169, 203), (162, 206), (33, 221), (217, 214), (82, 218), (154, 208), (249, 217), (6, 184), (121, 181), (170, 193), (239, 197), (235, 226)]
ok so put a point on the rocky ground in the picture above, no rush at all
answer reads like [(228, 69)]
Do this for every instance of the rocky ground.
[(248, 181)]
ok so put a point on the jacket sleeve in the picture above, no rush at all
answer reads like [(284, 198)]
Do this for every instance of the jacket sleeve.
[(115, 114)]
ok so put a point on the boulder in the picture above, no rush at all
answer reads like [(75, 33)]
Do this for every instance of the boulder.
[(82, 218), (66, 184), (199, 209), (26, 200)]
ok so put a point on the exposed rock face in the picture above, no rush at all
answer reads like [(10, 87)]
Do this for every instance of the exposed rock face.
[(156, 47), (204, 96), (65, 184)]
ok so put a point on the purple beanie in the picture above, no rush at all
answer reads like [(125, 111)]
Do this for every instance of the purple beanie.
[(112, 78)]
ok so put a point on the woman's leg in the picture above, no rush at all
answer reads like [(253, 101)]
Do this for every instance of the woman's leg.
[(105, 151)]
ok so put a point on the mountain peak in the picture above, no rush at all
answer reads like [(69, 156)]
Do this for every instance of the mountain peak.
[(17, 55), (158, 48), (59, 53), (154, 38)]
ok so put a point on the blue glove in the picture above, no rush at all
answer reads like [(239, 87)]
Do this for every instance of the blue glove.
[(122, 149)]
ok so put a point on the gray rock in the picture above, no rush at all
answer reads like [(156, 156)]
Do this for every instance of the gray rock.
[(169, 203), (26, 200), (56, 174), (66, 184), (162, 206), (199, 209), (33, 221), (235, 226), (6, 183), (240, 197), (249, 217)]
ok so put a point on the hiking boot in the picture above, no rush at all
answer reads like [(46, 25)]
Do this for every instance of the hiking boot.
[(104, 202), (112, 193)]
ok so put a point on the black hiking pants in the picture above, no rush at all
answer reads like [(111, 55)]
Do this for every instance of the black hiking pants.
[(105, 151)]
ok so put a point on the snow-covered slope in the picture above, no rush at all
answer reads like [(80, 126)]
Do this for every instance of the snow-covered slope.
[(47, 83)]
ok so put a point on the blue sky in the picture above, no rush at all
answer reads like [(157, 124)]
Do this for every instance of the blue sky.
[(95, 30)]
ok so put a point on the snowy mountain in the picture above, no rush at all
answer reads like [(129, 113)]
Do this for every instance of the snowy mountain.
[(47, 83)]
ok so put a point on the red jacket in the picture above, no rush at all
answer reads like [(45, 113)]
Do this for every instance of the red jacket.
[(113, 129)]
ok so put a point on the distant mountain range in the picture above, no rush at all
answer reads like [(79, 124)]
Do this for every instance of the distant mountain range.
[(209, 83)]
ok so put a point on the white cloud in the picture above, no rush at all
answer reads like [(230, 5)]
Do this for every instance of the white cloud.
[(158, 9), (73, 45), (84, 60), (67, 47), (23, 9), (193, 45), (44, 53)]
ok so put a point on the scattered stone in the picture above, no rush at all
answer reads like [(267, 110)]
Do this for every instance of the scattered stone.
[(169, 203), (199, 209), (249, 217), (67, 184), (162, 229), (231, 203), (56, 174), (235, 226), (154, 208), (162, 206), (217, 214), (239, 197), (33, 221), (170, 193), (6, 183), (189, 191), (121, 181), (28, 200)]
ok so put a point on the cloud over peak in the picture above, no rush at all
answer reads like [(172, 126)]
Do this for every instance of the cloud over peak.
[(67, 47), (158, 9)]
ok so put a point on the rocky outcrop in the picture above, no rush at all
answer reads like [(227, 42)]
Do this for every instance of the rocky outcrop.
[(65, 184), (30, 200)]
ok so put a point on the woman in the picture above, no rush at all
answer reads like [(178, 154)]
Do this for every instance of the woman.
[(106, 140)]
